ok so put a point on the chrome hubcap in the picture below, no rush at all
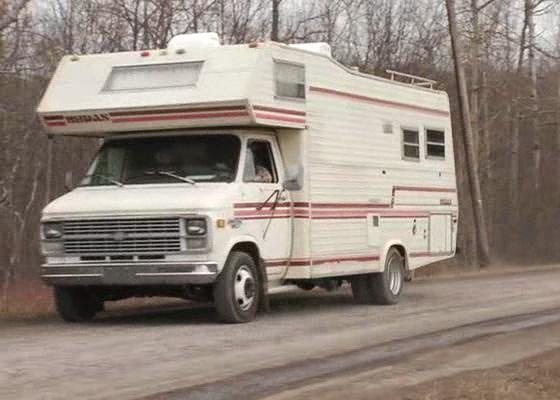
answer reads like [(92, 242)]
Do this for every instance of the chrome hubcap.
[(395, 275), (244, 288)]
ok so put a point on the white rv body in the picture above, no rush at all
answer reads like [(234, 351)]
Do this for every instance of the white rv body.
[(361, 193)]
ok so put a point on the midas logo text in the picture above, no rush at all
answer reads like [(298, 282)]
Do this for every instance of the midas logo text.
[(80, 119)]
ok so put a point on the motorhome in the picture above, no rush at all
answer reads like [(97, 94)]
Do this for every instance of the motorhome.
[(227, 172)]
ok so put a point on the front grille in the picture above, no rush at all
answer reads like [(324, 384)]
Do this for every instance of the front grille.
[(122, 236)]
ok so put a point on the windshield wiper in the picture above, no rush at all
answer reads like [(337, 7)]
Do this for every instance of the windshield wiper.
[(172, 175), (106, 178)]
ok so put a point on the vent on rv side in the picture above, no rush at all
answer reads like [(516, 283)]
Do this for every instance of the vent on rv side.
[(388, 128), (153, 76), (319, 47), (194, 41), (290, 80)]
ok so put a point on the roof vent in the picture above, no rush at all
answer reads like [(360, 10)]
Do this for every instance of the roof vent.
[(194, 41), (319, 47)]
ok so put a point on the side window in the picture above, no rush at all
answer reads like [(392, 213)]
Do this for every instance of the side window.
[(411, 144), (259, 163), (290, 80), (435, 144)]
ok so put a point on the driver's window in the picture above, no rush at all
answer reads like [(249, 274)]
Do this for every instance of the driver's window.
[(259, 163)]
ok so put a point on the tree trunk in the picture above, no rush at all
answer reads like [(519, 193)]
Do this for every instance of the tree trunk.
[(470, 158), (534, 95), (475, 75), (537, 199), (48, 179), (485, 154), (514, 186), (275, 20)]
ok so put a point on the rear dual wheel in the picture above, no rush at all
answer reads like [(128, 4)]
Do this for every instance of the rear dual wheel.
[(384, 287)]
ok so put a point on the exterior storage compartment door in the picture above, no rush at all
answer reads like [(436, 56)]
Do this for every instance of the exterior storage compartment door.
[(441, 234)]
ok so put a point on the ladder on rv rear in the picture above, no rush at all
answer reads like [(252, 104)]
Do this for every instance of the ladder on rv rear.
[(412, 79)]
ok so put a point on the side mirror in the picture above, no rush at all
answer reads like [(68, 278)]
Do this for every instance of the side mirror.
[(68, 180), (294, 178)]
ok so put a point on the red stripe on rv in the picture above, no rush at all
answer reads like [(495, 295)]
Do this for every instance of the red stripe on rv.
[(425, 189), (279, 110), (350, 205), (391, 214), (175, 111), (183, 116), (61, 123), (279, 118), (53, 117), (301, 214), (255, 205), (300, 262), (378, 101), (250, 217), (317, 261), (316, 205)]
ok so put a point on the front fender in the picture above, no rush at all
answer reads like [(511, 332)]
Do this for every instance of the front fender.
[(230, 245)]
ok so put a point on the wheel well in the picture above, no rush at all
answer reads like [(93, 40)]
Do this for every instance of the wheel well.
[(402, 251), (249, 248)]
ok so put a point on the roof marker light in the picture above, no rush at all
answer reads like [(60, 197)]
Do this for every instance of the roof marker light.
[(74, 58), (163, 53), (145, 54), (180, 51), (253, 45)]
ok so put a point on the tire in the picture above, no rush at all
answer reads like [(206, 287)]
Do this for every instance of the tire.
[(76, 304), (384, 287), (237, 291), (360, 289)]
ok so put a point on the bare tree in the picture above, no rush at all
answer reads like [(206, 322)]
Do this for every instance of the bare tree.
[(9, 13), (471, 160), (275, 20)]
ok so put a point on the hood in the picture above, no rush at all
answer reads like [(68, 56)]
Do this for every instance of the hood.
[(141, 200)]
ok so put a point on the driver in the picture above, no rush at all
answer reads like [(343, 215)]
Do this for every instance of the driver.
[(262, 174)]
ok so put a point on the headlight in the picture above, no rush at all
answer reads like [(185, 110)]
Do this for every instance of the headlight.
[(197, 232), (196, 227), (51, 230)]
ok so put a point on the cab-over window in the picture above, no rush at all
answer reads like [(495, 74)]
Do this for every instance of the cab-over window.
[(290, 80)]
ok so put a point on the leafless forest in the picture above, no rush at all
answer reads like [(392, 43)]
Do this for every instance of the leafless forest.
[(511, 54)]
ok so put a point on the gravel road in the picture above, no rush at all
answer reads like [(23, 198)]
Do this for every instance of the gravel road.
[(183, 353)]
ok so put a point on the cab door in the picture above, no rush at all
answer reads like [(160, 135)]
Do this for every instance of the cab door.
[(268, 209)]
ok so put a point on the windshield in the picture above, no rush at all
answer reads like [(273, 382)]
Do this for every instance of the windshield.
[(176, 159)]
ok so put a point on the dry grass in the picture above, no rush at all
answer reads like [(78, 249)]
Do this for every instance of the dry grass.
[(27, 299), (537, 378)]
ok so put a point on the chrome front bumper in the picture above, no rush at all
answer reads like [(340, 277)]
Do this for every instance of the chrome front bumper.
[(103, 274)]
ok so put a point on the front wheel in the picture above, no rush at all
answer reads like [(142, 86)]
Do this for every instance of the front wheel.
[(383, 287), (76, 304), (236, 291)]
